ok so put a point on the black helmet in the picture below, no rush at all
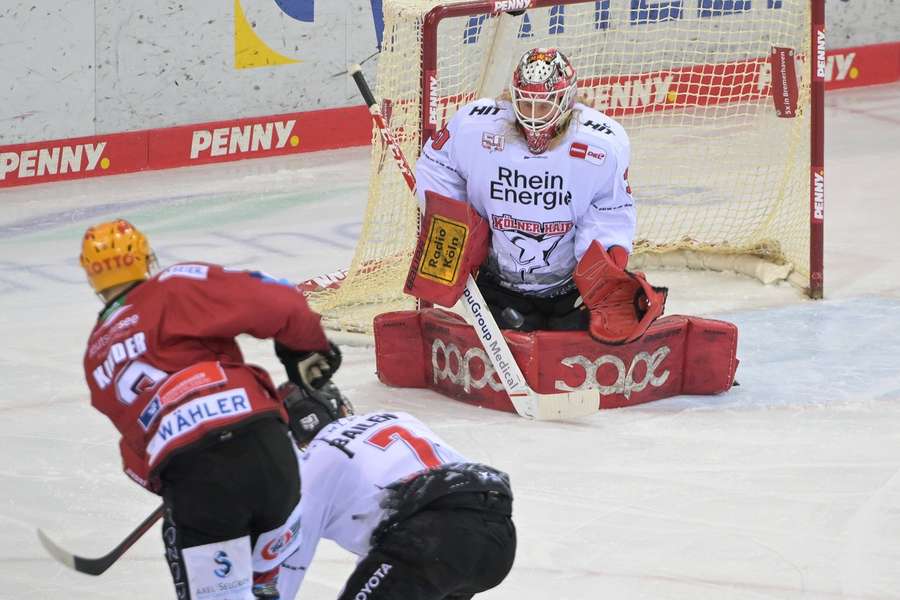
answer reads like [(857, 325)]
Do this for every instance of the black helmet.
[(311, 410)]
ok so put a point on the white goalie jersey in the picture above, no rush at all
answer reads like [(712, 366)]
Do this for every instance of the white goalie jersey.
[(343, 473), (545, 209)]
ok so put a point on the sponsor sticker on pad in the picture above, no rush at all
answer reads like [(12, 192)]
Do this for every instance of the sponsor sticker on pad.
[(443, 250)]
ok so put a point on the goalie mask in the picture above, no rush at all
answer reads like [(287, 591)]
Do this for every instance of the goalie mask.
[(309, 411), (114, 253), (543, 89)]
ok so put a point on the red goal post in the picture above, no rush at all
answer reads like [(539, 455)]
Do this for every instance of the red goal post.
[(722, 99)]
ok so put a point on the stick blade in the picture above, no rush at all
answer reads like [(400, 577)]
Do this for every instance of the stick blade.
[(567, 405), (88, 566), (55, 551)]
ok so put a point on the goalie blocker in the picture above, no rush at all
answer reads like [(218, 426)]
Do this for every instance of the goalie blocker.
[(453, 242), (436, 349)]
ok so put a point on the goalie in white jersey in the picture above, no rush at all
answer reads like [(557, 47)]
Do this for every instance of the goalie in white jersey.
[(550, 178), (426, 523)]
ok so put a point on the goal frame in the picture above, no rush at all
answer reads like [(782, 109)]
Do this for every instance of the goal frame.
[(816, 64)]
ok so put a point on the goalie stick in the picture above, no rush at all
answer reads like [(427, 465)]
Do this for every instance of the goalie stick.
[(525, 400), (97, 566)]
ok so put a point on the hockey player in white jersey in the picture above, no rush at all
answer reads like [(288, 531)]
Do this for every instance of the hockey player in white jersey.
[(426, 523), (550, 178)]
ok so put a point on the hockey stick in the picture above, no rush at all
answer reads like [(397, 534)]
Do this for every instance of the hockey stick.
[(96, 566), (525, 400)]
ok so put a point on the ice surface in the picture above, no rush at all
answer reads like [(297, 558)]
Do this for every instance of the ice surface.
[(786, 487)]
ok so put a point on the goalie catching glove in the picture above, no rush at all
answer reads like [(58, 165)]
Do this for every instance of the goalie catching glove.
[(309, 369), (622, 304)]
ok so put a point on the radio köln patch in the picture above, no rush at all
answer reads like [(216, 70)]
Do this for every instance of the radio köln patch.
[(492, 141), (443, 250), (592, 154)]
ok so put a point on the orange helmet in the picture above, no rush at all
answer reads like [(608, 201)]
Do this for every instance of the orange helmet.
[(114, 253)]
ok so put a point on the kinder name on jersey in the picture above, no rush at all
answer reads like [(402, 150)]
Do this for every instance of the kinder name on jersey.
[(118, 353), (238, 140), (192, 415), (57, 160)]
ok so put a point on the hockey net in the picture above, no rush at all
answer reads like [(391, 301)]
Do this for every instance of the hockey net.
[(721, 179)]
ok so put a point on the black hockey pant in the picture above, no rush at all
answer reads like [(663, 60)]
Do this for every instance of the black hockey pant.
[(453, 549), (244, 484), (558, 313)]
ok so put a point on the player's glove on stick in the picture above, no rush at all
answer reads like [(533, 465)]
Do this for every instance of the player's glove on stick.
[(622, 304), (309, 369), (452, 244)]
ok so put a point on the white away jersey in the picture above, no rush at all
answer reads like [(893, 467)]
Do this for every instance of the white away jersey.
[(544, 209), (343, 473)]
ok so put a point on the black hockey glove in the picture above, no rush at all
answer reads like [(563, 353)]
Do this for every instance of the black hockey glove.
[(311, 370), (310, 411)]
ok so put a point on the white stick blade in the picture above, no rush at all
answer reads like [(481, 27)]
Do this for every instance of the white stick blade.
[(55, 551), (568, 405)]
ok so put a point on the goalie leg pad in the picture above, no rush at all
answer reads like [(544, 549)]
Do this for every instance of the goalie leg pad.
[(622, 304), (453, 243), (437, 349)]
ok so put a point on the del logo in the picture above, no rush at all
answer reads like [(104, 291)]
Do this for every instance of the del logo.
[(274, 547), (592, 154), (56, 160), (255, 137)]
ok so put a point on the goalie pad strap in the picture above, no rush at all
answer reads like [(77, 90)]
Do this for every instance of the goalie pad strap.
[(622, 304), (453, 242)]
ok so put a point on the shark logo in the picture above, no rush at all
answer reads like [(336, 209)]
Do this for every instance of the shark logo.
[(533, 251)]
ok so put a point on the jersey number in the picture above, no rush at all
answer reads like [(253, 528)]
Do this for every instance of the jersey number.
[(440, 138), (137, 377), (421, 447)]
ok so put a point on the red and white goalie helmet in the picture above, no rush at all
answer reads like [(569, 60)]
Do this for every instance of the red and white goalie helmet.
[(543, 89)]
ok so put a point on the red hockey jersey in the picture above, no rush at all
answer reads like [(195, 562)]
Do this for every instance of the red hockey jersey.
[(163, 364)]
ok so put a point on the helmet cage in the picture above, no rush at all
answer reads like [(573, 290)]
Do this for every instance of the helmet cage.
[(543, 88)]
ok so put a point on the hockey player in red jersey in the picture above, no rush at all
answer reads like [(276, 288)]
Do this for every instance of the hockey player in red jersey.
[(548, 178), (425, 522), (198, 425)]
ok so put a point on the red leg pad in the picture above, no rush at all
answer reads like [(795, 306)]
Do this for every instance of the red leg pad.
[(677, 355)]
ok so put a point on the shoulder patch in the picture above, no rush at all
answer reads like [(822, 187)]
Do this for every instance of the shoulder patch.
[(597, 127), (591, 154), (186, 271), (484, 110)]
